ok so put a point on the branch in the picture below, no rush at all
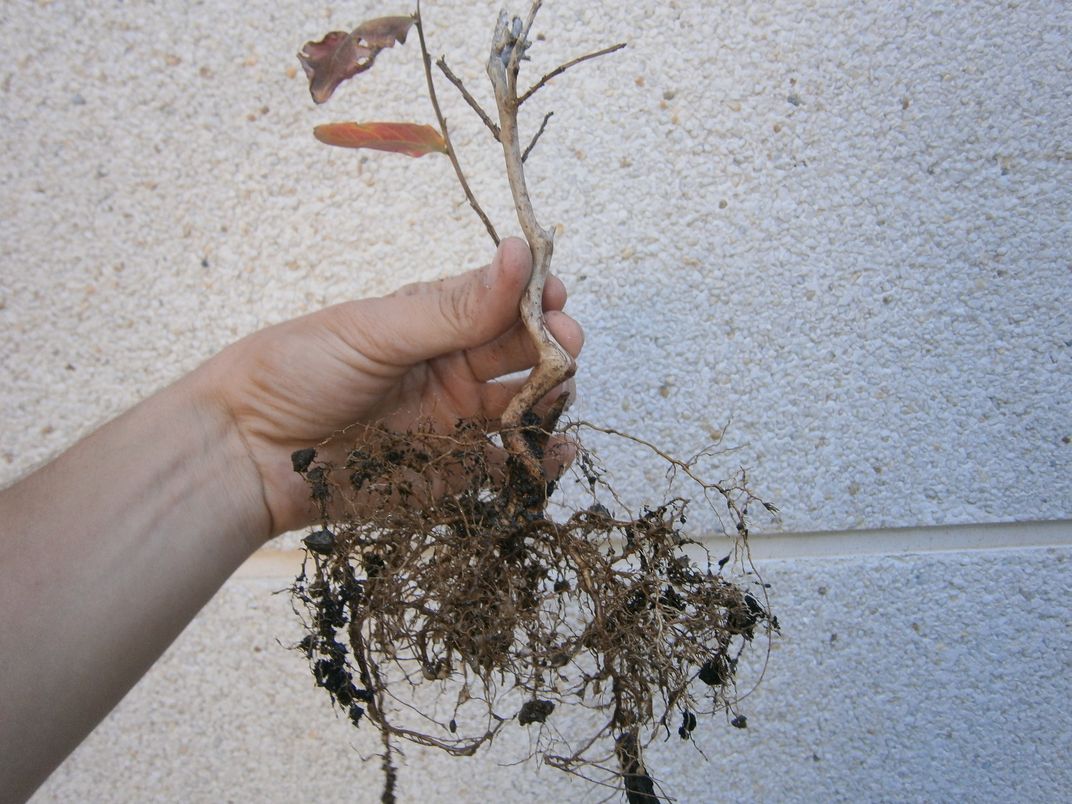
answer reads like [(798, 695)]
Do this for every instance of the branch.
[(563, 67), (554, 364), (523, 39), (441, 63), (427, 59), (532, 144)]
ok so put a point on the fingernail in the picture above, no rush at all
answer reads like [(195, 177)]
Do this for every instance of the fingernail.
[(489, 274), (570, 388)]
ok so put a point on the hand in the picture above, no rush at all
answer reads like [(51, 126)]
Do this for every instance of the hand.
[(431, 351)]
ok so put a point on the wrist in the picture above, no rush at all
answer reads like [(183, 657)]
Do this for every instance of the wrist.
[(111, 549), (226, 459)]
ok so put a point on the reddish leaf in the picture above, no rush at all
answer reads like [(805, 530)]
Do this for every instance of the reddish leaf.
[(331, 61), (340, 55), (411, 139)]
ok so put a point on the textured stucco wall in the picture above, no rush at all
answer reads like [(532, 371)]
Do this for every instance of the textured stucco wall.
[(843, 229), (899, 678)]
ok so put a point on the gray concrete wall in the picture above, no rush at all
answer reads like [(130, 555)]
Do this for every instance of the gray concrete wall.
[(835, 234)]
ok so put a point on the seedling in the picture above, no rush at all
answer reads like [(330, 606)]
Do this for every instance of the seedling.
[(505, 607)]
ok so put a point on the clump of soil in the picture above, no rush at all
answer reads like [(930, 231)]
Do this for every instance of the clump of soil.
[(443, 615)]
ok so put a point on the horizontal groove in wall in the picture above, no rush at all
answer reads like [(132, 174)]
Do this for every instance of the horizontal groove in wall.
[(899, 541), (270, 563)]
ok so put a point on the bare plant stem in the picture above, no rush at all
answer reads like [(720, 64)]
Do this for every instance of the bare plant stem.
[(451, 154), (441, 63), (563, 67), (555, 364), (537, 136)]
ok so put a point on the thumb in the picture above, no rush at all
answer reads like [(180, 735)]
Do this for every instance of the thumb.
[(428, 319)]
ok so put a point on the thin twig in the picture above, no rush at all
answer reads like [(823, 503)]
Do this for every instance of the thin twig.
[(441, 63), (524, 38), (427, 59), (532, 144), (563, 67)]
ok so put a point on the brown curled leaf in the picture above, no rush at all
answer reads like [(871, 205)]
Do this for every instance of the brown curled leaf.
[(411, 139), (340, 55), (384, 31), (331, 61)]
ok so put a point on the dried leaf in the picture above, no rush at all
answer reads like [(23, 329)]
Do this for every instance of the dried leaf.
[(340, 55), (331, 61), (412, 139), (384, 31)]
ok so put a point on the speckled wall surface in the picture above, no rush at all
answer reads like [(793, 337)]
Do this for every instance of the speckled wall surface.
[(837, 234), (844, 229), (897, 679)]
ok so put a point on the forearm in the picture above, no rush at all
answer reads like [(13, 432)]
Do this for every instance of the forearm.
[(107, 553)]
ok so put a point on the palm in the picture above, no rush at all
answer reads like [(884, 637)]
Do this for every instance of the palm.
[(432, 353)]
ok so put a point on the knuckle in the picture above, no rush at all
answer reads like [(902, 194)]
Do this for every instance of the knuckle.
[(456, 307)]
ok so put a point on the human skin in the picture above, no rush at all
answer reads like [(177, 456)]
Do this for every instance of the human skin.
[(113, 547)]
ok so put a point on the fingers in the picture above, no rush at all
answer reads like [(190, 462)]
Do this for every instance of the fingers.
[(559, 453), (554, 294), (430, 319), (514, 350)]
